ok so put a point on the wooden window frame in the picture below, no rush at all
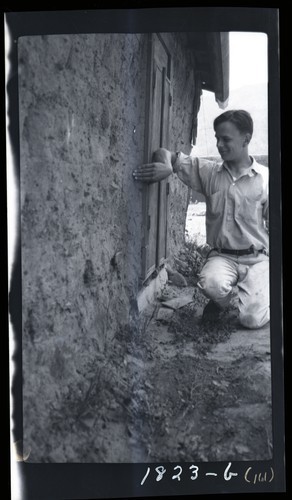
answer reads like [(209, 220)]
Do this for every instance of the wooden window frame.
[(154, 39)]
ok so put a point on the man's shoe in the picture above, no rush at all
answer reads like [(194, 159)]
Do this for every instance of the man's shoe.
[(211, 312)]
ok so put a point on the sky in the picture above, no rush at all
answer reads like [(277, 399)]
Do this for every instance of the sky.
[(248, 58)]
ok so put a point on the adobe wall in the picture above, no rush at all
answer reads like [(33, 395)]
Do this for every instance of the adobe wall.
[(82, 118), (82, 105)]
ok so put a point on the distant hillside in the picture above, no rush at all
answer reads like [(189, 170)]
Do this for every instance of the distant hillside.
[(252, 98)]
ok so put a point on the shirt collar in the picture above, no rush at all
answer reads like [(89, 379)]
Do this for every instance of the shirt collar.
[(253, 169)]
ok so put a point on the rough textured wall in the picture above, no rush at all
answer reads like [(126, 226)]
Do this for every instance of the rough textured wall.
[(82, 106), (82, 119), (182, 114)]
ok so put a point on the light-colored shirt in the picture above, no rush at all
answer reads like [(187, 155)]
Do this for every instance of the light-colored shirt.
[(236, 209)]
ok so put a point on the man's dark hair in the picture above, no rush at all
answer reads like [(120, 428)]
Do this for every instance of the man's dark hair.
[(240, 118)]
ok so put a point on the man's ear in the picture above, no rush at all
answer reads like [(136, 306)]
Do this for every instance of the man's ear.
[(247, 139)]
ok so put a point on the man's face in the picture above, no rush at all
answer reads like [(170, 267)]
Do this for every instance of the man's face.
[(231, 143)]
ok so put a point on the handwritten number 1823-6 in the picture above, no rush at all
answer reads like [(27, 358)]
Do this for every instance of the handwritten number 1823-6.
[(160, 471)]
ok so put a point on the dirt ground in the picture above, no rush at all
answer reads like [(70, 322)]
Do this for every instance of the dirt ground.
[(173, 390)]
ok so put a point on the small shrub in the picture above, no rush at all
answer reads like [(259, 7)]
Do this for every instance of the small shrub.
[(190, 262)]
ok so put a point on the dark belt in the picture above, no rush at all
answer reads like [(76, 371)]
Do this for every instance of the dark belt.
[(246, 251)]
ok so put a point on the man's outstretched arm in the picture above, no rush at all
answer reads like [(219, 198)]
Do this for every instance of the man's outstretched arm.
[(159, 169)]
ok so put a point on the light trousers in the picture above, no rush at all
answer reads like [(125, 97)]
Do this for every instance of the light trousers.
[(242, 281)]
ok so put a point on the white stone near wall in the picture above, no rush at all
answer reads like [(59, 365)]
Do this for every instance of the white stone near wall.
[(150, 292)]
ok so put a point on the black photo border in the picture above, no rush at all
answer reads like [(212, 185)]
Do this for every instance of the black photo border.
[(52, 481)]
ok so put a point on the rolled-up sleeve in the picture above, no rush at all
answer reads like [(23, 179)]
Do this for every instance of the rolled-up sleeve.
[(192, 171)]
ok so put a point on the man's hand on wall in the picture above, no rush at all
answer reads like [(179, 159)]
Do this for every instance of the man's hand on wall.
[(152, 172), (158, 170)]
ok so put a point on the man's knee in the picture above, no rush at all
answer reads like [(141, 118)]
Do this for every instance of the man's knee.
[(254, 316), (214, 287)]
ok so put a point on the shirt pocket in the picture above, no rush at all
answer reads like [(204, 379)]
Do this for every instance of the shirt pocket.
[(215, 204), (249, 209)]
